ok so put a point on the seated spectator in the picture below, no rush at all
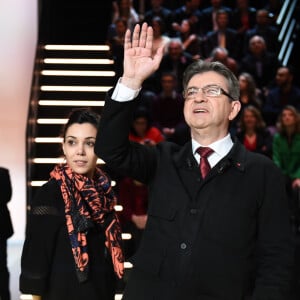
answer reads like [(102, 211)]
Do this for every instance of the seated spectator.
[(286, 155), (221, 54), (116, 44), (284, 93), (158, 10), (192, 43), (249, 94), (159, 37), (224, 36), (188, 11), (264, 29), (124, 9), (259, 62), (209, 14), (243, 17), (167, 111), (252, 131), (175, 61), (133, 195)]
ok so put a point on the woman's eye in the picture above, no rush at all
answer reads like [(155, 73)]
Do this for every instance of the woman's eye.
[(90, 144), (71, 142)]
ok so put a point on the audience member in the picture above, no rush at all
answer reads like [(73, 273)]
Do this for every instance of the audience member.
[(259, 62), (243, 17), (167, 111), (175, 61), (6, 231), (159, 37), (264, 29), (252, 131), (116, 44), (73, 236), (192, 43), (284, 93), (209, 15), (124, 9), (158, 10), (224, 36), (221, 54), (286, 155), (250, 95), (188, 11)]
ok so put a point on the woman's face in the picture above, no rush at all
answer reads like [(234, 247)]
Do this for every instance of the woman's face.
[(288, 118), (243, 83), (78, 147), (140, 126), (249, 119)]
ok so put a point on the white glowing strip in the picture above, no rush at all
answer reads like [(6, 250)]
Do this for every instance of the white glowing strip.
[(79, 61), (71, 88), (118, 207), (26, 297), (77, 47), (41, 182), (55, 160), (37, 182), (118, 296), (48, 140), (70, 103), (52, 121), (127, 265), (126, 236), (77, 73)]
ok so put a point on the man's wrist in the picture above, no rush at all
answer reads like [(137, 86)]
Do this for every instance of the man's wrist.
[(131, 83)]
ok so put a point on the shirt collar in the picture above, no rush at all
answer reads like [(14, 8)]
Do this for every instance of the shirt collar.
[(220, 147)]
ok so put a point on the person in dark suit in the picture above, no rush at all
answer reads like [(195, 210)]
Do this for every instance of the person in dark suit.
[(208, 235), (224, 36), (260, 63), (6, 231)]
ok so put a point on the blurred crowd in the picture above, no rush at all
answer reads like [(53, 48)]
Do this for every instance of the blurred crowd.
[(241, 34)]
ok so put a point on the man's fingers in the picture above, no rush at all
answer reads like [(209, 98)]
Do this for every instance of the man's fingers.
[(143, 35), (136, 36), (127, 40), (149, 39)]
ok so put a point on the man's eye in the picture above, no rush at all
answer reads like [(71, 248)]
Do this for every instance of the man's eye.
[(191, 92), (212, 91)]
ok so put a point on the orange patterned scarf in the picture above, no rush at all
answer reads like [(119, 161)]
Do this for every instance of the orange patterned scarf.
[(89, 202)]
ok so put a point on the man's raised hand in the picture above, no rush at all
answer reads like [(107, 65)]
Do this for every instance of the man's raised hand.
[(138, 61)]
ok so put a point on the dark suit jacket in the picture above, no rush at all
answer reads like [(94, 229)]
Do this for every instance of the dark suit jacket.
[(201, 237), (269, 66), (232, 42), (6, 228)]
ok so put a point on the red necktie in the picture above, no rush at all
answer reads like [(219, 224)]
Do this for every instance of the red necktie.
[(204, 164)]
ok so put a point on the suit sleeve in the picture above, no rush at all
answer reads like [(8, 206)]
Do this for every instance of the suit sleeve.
[(113, 146)]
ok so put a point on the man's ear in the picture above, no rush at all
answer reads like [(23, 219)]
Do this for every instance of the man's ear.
[(235, 108)]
